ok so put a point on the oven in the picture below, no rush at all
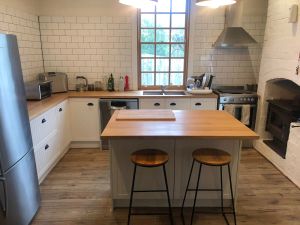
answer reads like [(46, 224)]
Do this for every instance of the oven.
[(238, 112), (240, 103)]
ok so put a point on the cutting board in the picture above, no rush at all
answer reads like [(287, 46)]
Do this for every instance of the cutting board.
[(146, 115)]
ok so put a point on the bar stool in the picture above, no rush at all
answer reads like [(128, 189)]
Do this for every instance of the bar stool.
[(210, 157), (149, 158)]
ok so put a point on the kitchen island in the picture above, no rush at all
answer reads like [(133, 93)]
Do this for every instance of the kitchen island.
[(179, 138)]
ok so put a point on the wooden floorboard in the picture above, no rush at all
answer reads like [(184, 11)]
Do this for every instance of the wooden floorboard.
[(77, 192)]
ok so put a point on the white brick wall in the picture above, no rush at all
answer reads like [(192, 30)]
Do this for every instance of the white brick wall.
[(90, 46), (230, 66), (279, 60), (26, 27)]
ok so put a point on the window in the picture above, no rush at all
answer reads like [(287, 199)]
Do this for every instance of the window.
[(162, 44)]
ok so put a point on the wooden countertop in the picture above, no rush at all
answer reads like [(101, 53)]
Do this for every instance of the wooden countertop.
[(132, 94), (210, 124), (36, 108)]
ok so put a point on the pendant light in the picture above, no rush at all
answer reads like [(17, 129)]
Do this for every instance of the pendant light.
[(139, 3), (214, 3)]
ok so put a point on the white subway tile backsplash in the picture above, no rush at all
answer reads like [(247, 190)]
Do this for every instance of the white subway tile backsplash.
[(25, 27), (90, 46)]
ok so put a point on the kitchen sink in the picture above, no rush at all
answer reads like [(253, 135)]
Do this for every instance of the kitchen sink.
[(152, 93), (177, 93)]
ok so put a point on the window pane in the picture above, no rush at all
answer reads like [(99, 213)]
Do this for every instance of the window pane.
[(178, 5), (162, 79), (162, 35), (147, 65), (162, 50), (178, 20), (147, 50), (176, 79), (177, 35), (147, 35), (147, 79), (148, 9), (162, 65), (177, 64), (163, 20), (147, 20), (177, 50), (163, 6)]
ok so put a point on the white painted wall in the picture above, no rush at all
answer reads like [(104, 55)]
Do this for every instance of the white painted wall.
[(30, 6), (279, 60)]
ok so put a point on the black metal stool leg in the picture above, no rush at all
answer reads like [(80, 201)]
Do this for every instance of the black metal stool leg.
[(169, 202), (187, 187), (232, 199), (196, 193), (222, 200), (131, 195)]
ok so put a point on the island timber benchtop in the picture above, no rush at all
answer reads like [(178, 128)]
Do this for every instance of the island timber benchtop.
[(206, 124)]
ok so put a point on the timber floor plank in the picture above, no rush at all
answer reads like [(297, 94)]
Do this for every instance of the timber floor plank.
[(77, 192)]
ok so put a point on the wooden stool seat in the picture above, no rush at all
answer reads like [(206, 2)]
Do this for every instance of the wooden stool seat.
[(212, 157), (149, 158)]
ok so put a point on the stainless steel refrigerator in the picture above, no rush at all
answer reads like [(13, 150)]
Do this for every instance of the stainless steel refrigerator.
[(19, 188)]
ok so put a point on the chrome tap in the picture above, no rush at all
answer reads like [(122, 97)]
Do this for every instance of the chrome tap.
[(163, 88)]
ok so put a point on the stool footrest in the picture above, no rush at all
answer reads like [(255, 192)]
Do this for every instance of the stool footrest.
[(191, 189), (149, 214), (142, 191)]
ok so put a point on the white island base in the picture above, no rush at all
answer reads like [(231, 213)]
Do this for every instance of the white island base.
[(178, 168)]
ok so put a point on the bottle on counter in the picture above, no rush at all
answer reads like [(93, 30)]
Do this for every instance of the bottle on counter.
[(111, 83), (126, 83), (121, 84)]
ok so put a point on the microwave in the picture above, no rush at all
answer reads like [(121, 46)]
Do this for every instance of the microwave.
[(36, 90)]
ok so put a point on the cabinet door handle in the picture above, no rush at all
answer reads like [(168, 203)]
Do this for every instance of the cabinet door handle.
[(3, 205), (46, 147), (60, 110), (173, 104), (198, 104), (90, 104), (44, 120), (157, 104)]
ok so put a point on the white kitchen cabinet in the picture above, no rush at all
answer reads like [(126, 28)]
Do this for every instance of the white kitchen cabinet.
[(153, 103), (46, 154), (85, 119), (42, 126), (178, 103), (51, 137), (63, 124), (203, 104)]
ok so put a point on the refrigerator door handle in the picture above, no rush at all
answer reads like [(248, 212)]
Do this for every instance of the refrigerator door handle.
[(3, 205)]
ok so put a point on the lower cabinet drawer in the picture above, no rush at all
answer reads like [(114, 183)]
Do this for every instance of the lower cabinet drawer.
[(178, 103), (45, 154), (42, 126), (204, 104), (152, 103)]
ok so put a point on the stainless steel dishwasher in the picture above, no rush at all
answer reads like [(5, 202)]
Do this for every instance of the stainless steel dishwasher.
[(107, 108)]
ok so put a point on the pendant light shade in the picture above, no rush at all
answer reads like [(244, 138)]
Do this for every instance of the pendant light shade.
[(214, 3), (139, 3)]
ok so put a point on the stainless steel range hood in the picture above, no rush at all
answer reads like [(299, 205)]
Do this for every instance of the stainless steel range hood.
[(234, 35)]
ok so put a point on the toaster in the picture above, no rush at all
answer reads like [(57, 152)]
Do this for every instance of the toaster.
[(59, 81)]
